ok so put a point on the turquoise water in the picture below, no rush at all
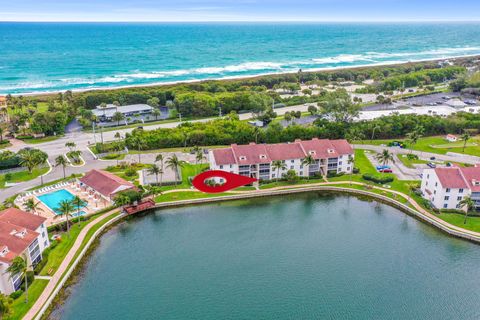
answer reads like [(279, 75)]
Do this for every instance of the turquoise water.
[(52, 200), (38, 57), (295, 257)]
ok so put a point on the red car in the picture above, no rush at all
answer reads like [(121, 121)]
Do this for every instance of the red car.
[(385, 170)]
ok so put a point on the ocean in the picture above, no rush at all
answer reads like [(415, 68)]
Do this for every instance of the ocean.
[(48, 57)]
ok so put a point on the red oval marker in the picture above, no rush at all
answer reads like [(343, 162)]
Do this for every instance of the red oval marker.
[(232, 181)]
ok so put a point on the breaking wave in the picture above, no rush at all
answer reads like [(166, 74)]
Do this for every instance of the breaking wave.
[(235, 70)]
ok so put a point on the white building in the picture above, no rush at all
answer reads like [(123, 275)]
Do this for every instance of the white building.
[(106, 114), (21, 234), (255, 160), (446, 187), (451, 138)]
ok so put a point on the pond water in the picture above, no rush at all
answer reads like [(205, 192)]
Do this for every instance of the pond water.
[(307, 256)]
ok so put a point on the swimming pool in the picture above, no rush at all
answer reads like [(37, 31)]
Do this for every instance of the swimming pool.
[(53, 199)]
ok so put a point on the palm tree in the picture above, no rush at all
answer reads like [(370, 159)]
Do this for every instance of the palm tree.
[(70, 145), (61, 161), (158, 158), (19, 266), (308, 161), (374, 128), (65, 209), (156, 113), (465, 137), (351, 163), (117, 136), (121, 200), (412, 138), (278, 165), (139, 144), (32, 158), (154, 169), (468, 204), (31, 205), (385, 157), (174, 163), (79, 203), (118, 116), (1, 134)]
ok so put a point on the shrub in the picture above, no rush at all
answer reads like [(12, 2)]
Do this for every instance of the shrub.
[(130, 172), (30, 278), (290, 176), (15, 295), (377, 178), (111, 156), (411, 156), (333, 174), (356, 170)]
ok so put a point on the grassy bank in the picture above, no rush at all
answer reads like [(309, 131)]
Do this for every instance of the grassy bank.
[(22, 176)]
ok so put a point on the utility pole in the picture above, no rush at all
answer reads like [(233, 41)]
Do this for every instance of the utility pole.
[(94, 136)]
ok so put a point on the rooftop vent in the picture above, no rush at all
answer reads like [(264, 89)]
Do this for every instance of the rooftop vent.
[(262, 156), (330, 151), (4, 251), (242, 158)]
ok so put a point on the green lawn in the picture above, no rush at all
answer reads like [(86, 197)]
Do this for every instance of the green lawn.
[(5, 145), (473, 222), (409, 163), (19, 306), (22, 176), (41, 140), (436, 144), (57, 254)]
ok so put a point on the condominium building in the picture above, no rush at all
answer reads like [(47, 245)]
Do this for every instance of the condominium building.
[(445, 187), (257, 160), (21, 234)]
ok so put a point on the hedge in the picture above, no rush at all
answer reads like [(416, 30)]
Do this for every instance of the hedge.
[(377, 178)]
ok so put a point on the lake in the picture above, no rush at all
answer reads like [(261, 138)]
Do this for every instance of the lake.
[(308, 256)]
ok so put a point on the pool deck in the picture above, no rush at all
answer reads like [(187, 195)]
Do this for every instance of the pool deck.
[(93, 205)]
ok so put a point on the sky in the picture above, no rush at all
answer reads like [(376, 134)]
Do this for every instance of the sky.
[(239, 10)]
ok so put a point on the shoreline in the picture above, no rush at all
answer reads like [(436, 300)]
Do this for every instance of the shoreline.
[(71, 275), (240, 77)]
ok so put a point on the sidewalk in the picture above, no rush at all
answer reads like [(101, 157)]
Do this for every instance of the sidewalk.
[(55, 279)]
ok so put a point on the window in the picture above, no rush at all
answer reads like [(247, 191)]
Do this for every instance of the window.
[(43, 234), (292, 161), (230, 166), (445, 205), (300, 173), (340, 163), (436, 184), (291, 167), (426, 184), (273, 175), (448, 189), (434, 191), (459, 198), (460, 190), (301, 167), (348, 168), (45, 243), (221, 166), (446, 198), (428, 176)]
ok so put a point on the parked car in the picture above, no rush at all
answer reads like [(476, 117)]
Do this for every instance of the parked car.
[(382, 167), (431, 165), (432, 158), (386, 170)]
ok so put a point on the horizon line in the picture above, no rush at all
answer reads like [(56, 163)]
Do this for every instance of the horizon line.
[(245, 21)]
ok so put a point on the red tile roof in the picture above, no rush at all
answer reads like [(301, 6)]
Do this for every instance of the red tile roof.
[(451, 178), (21, 218), (472, 175), (266, 153), (250, 154), (285, 151), (17, 232), (223, 156), (105, 183)]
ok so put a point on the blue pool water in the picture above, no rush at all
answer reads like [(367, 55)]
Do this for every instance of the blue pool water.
[(52, 200)]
